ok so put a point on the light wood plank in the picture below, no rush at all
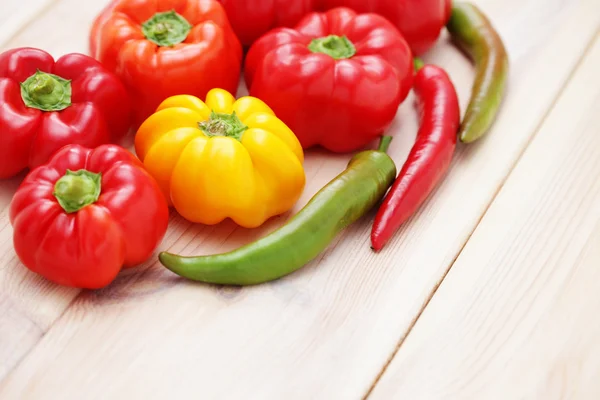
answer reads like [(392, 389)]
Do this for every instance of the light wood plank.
[(15, 15), (517, 316), (324, 332), (29, 305)]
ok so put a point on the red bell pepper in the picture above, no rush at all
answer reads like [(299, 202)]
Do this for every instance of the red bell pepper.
[(45, 105), (430, 157), (253, 18), (162, 48), (336, 80), (86, 214), (420, 21)]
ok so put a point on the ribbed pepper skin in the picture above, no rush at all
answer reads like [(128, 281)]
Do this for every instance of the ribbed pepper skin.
[(99, 110), (210, 178), (340, 104), (420, 21), (87, 248), (209, 57)]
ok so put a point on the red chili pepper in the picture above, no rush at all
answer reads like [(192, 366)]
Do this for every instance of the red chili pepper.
[(47, 104), (429, 158)]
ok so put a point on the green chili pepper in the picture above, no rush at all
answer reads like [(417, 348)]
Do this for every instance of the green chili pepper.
[(474, 33), (343, 201)]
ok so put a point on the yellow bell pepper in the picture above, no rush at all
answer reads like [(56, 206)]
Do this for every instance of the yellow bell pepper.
[(222, 158)]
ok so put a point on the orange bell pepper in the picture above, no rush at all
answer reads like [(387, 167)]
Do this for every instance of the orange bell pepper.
[(161, 48), (222, 158)]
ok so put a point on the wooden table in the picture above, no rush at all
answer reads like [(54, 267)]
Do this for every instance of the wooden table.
[(492, 291)]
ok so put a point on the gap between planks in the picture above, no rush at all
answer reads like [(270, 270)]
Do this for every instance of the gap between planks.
[(566, 83)]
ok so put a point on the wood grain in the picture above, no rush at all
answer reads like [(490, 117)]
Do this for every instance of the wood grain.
[(29, 305), (517, 316), (16, 15), (324, 332)]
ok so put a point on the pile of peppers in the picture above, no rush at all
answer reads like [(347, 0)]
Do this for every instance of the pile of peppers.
[(320, 73)]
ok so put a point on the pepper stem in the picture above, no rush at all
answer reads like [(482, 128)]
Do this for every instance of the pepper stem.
[(166, 29), (228, 125), (338, 47), (46, 92), (384, 143), (418, 64), (76, 190)]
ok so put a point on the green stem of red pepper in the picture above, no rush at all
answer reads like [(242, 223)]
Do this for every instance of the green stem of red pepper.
[(76, 190), (337, 47), (166, 28), (418, 64), (430, 156), (46, 92)]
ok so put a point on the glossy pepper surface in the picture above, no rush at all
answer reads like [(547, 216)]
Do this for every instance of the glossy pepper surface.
[(253, 18), (420, 21), (161, 48), (223, 158), (339, 204), (86, 214), (336, 79), (46, 104), (430, 156), (474, 33)]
